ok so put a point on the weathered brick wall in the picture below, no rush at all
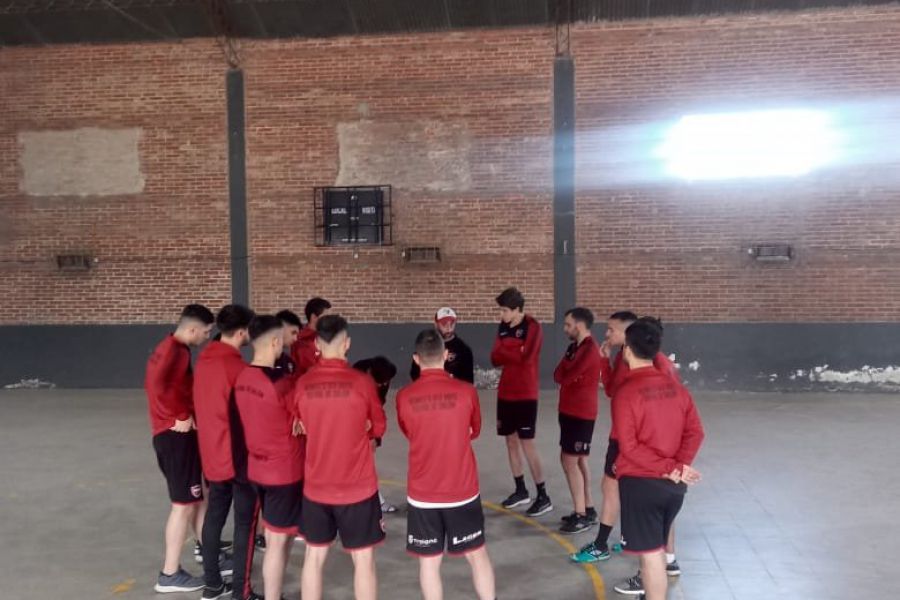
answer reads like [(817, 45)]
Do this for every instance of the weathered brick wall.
[(679, 249), (460, 125)]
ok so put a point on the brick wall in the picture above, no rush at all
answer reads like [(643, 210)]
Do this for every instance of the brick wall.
[(460, 125), (158, 248), (679, 249)]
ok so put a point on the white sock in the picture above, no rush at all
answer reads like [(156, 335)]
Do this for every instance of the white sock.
[(670, 558)]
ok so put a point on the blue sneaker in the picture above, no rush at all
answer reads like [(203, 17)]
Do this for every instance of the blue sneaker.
[(590, 554), (179, 581)]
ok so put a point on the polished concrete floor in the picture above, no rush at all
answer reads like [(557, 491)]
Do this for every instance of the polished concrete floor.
[(800, 499)]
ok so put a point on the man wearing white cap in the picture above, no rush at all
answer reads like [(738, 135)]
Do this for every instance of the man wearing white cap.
[(459, 363)]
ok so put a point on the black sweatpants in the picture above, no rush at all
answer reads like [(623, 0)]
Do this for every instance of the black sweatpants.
[(246, 515)]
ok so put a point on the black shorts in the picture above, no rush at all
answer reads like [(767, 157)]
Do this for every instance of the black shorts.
[(575, 435), (612, 453), (649, 507), (517, 416), (360, 525), (280, 507), (178, 456), (459, 529)]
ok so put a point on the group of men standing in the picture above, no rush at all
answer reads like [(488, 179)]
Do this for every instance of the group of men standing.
[(288, 440)]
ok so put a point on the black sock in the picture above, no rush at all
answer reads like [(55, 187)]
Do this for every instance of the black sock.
[(589, 509), (520, 484), (541, 490), (603, 532)]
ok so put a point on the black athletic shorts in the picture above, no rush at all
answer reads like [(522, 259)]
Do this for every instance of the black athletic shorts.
[(612, 453), (575, 435), (649, 507), (280, 507), (360, 525), (459, 529), (178, 456), (517, 416)]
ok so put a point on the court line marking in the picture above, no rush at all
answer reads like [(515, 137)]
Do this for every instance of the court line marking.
[(590, 569)]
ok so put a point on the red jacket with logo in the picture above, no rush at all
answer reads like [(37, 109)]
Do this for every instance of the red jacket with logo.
[(341, 412), (440, 416), (578, 375), (215, 374), (304, 351), (518, 351), (613, 376), (656, 423), (274, 454), (168, 383)]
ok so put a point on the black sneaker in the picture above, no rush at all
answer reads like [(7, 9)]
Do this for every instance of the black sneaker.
[(224, 546), (211, 593), (260, 542), (672, 569), (569, 517), (592, 515), (577, 525), (516, 499), (540, 507), (633, 586)]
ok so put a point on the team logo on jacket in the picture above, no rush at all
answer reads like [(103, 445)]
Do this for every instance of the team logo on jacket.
[(195, 491), (520, 333)]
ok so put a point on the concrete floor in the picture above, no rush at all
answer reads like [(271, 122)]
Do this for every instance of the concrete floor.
[(800, 499)]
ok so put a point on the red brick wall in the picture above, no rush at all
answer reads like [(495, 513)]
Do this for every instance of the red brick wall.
[(475, 109), (495, 87), (679, 249), (158, 249), (169, 245)]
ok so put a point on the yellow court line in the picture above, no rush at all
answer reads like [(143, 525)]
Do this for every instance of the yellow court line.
[(590, 569)]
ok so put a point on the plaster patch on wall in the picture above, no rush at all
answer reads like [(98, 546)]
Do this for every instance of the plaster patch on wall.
[(80, 162), (417, 155)]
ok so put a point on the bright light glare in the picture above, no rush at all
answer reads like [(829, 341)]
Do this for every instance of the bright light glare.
[(771, 143)]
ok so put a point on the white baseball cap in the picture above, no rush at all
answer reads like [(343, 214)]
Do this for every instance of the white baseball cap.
[(444, 314)]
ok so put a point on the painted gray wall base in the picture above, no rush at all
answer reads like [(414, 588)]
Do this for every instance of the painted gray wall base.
[(745, 357)]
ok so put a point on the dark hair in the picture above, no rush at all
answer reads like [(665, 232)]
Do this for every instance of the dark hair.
[(511, 298), (289, 318), (380, 368), (644, 339), (653, 321), (626, 316), (429, 345), (331, 326), (579, 313), (263, 324), (198, 312), (233, 317), (316, 306)]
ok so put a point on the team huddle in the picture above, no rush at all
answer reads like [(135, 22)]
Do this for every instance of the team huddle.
[(287, 444)]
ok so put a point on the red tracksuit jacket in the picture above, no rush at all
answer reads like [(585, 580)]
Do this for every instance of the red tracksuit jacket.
[(578, 375), (440, 416), (168, 383), (215, 374), (518, 351), (656, 423), (304, 351), (336, 404), (613, 376), (274, 454)]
